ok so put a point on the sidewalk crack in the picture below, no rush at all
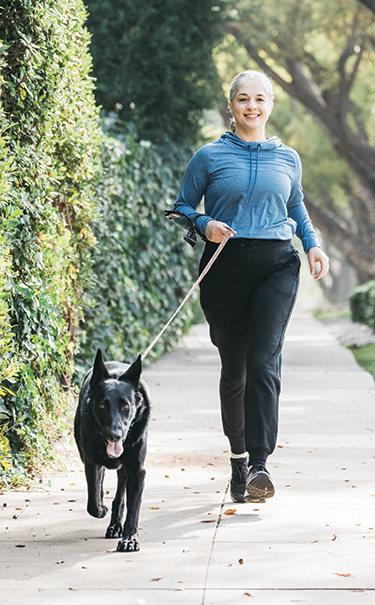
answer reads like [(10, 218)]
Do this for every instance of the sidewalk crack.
[(213, 541)]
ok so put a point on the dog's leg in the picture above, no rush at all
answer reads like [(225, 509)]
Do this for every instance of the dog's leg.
[(134, 491), (95, 477), (114, 529)]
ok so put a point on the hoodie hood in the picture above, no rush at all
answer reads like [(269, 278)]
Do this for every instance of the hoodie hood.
[(232, 139)]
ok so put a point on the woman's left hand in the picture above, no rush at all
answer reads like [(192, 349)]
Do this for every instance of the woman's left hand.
[(316, 255)]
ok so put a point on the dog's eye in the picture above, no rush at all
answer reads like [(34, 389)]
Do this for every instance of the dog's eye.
[(125, 406), (102, 406)]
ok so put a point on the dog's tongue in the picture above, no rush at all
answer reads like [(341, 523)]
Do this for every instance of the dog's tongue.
[(114, 450)]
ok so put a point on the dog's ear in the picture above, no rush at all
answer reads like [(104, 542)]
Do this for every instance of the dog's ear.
[(99, 370), (133, 373)]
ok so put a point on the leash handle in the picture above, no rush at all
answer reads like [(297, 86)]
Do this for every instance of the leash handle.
[(204, 272)]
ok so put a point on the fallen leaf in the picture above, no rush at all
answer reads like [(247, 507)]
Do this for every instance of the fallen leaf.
[(358, 524), (18, 508), (247, 594), (71, 483), (72, 500), (166, 476), (314, 541), (208, 521), (182, 469), (83, 567), (186, 550), (196, 492), (334, 537), (56, 503), (26, 500), (343, 575), (187, 487), (354, 486), (280, 446), (230, 564), (240, 561), (15, 516), (230, 511), (156, 579), (210, 464), (59, 562), (108, 491), (155, 507), (255, 509), (212, 478), (20, 545)]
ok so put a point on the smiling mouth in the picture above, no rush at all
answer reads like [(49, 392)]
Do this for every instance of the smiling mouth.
[(252, 116)]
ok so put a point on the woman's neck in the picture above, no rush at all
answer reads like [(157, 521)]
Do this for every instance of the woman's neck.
[(251, 137)]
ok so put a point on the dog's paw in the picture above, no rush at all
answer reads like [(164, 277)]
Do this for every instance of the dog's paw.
[(97, 511), (114, 531), (128, 545)]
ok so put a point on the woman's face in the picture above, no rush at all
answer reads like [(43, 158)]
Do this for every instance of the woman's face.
[(251, 109)]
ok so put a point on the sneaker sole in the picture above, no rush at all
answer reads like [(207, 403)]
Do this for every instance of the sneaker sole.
[(238, 499), (260, 488)]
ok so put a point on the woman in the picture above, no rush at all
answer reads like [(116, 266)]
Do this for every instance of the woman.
[(251, 184)]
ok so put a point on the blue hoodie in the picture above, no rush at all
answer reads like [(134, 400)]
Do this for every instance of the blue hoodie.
[(253, 187)]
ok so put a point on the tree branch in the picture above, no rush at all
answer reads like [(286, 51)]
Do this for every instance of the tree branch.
[(361, 256), (370, 4)]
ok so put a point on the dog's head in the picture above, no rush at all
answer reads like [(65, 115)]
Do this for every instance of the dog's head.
[(115, 402)]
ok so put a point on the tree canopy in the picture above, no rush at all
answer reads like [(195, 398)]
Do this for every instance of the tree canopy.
[(153, 62)]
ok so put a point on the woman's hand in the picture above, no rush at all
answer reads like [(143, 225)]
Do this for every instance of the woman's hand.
[(216, 231), (316, 255)]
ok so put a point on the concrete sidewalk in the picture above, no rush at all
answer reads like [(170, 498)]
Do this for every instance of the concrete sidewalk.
[(312, 543)]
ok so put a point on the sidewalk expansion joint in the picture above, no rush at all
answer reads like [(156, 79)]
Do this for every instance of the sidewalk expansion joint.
[(213, 541)]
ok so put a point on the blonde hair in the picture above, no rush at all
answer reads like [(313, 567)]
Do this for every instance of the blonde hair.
[(246, 75)]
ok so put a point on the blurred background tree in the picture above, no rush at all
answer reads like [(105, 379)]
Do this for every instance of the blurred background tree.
[(153, 63)]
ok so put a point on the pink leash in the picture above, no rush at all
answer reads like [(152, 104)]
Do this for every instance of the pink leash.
[(204, 272)]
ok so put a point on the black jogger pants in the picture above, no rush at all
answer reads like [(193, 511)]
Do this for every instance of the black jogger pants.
[(248, 297)]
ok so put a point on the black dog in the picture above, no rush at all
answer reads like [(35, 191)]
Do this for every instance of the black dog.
[(110, 428)]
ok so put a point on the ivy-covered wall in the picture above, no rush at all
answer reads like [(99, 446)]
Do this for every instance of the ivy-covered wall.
[(140, 261), (51, 141), (87, 258)]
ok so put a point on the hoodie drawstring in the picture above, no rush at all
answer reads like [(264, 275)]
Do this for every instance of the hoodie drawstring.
[(251, 171)]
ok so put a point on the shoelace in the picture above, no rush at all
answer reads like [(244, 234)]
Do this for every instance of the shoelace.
[(239, 472)]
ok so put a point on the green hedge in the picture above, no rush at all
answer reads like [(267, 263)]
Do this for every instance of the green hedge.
[(51, 141), (362, 304), (141, 263)]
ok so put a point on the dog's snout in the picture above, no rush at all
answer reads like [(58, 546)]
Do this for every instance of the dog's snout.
[(114, 436)]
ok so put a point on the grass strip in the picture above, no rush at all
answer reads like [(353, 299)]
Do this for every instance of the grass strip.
[(365, 356)]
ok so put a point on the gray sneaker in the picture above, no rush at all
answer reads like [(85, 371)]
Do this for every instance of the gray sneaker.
[(259, 484), (240, 472)]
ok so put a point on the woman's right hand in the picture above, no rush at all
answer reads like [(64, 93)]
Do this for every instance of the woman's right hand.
[(216, 231)]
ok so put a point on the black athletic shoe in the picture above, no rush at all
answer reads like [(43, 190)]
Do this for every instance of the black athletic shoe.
[(259, 484), (240, 472)]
